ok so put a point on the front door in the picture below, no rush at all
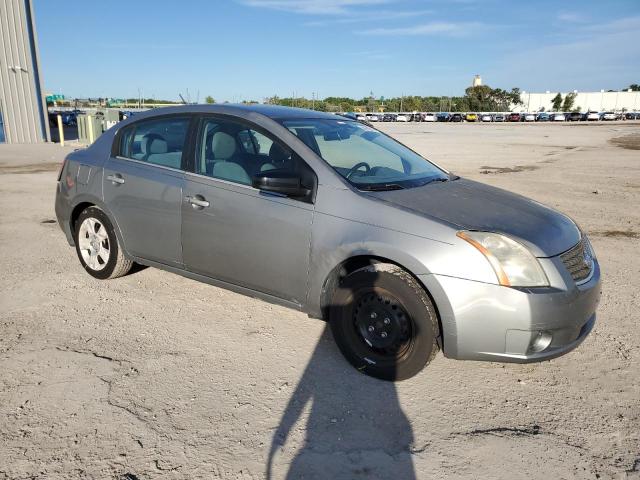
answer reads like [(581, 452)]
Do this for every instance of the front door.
[(143, 187), (234, 232)]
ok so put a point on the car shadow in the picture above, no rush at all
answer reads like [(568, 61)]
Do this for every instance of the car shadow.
[(355, 425)]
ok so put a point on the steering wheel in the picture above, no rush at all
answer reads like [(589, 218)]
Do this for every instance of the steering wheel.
[(357, 167)]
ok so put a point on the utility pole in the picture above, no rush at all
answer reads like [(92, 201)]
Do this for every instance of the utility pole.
[(313, 100), (401, 102)]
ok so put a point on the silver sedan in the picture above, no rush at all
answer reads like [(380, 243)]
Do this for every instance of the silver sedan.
[(332, 217)]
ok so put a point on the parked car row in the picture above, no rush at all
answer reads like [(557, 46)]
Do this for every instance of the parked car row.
[(493, 117), (69, 117)]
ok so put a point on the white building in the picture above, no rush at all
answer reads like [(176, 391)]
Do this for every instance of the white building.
[(586, 101)]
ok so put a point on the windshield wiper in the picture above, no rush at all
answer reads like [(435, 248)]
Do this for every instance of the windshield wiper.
[(380, 187), (433, 180)]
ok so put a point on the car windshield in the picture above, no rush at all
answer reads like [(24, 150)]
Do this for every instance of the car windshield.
[(369, 159)]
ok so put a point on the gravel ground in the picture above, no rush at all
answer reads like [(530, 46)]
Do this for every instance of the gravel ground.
[(157, 376)]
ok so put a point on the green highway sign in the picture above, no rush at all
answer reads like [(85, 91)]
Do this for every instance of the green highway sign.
[(54, 97)]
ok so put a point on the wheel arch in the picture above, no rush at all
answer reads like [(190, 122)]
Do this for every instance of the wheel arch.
[(75, 213), (356, 262), (81, 204)]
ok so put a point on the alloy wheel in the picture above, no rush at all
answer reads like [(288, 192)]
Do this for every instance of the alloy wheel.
[(93, 242)]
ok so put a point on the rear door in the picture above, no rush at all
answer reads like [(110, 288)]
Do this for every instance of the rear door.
[(142, 185), (234, 232)]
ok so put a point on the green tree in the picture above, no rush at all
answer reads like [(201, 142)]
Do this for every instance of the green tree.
[(634, 87), (343, 104), (209, 99), (483, 98), (412, 104), (556, 102), (569, 100), (480, 98)]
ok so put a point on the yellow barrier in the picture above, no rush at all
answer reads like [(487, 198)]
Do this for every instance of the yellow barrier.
[(90, 127), (60, 130)]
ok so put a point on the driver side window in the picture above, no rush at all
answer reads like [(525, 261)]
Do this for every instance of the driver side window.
[(235, 152)]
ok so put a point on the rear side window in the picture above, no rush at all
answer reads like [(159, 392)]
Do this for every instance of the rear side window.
[(158, 141)]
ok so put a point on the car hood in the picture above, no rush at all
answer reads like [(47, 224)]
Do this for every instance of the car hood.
[(475, 206)]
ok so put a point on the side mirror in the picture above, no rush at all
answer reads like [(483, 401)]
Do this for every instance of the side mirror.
[(284, 183)]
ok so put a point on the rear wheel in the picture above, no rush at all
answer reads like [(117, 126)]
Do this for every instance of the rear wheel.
[(384, 322), (97, 246)]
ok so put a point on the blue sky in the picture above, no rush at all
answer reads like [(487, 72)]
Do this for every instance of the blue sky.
[(251, 49)]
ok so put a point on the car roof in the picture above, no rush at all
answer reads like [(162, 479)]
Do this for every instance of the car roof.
[(275, 112)]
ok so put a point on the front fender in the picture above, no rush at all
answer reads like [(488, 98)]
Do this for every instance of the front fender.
[(335, 240)]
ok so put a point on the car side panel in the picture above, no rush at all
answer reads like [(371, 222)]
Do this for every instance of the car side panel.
[(347, 224), (247, 237), (146, 207)]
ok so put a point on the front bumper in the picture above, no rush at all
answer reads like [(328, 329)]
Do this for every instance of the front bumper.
[(482, 321)]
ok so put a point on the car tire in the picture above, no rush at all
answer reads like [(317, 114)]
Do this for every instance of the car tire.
[(384, 322), (97, 246)]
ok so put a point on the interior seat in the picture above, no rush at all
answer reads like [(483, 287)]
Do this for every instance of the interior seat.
[(223, 148), (230, 171), (145, 144), (278, 158), (159, 154)]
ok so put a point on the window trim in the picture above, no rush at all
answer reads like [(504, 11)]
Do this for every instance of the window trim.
[(142, 162)]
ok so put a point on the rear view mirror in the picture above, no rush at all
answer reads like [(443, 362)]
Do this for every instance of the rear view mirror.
[(284, 183), (331, 135)]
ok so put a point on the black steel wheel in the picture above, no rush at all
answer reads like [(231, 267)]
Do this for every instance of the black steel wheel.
[(384, 322)]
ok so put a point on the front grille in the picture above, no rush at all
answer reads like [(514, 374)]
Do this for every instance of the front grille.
[(579, 260)]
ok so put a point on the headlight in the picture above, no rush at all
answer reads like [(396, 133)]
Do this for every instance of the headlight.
[(513, 263)]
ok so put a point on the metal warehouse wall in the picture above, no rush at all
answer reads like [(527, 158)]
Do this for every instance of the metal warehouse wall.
[(22, 104)]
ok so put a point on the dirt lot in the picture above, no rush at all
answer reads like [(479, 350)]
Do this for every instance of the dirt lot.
[(156, 376)]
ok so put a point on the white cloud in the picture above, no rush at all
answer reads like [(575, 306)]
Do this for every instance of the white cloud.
[(451, 29), (314, 7), (570, 17), (626, 24), (373, 16)]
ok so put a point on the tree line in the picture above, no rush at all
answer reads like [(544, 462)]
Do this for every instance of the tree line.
[(480, 98)]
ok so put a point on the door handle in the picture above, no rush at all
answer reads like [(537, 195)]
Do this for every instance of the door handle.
[(198, 202), (117, 178)]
